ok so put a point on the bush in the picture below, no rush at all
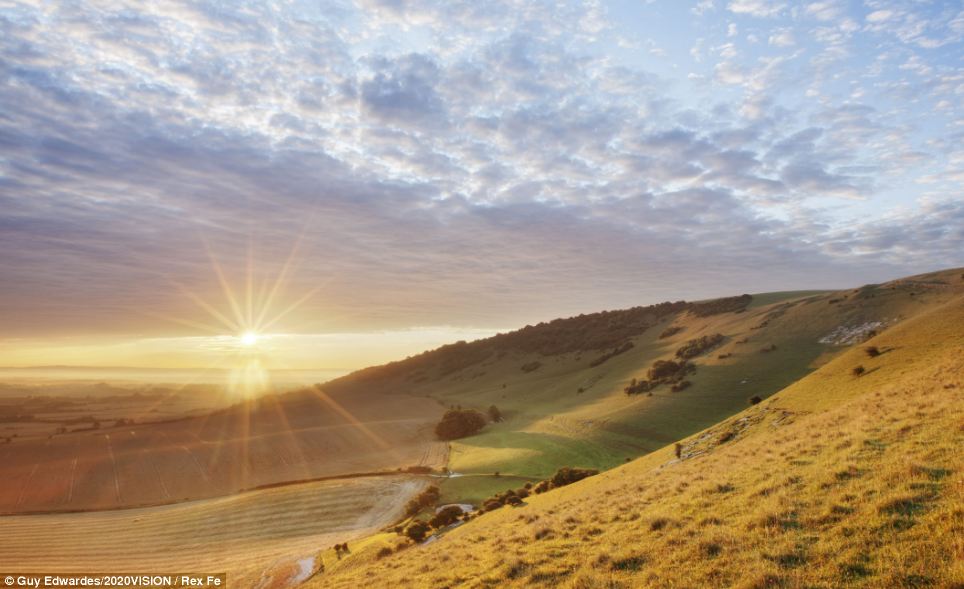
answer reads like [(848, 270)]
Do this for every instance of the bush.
[(459, 423), (858, 371), (494, 414), (700, 345), (447, 516), (531, 366), (872, 351), (668, 370), (491, 505), (724, 305), (384, 551), (625, 347), (679, 450), (417, 531), (426, 498), (670, 331), (681, 385), (755, 400), (566, 476)]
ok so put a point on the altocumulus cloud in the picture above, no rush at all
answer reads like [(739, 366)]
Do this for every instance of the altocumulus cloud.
[(466, 163)]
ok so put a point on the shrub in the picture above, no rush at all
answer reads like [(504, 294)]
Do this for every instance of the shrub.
[(670, 331), (491, 505), (417, 531), (566, 476), (718, 306), (872, 351), (531, 366), (459, 423), (494, 414), (679, 450), (384, 551), (767, 349), (663, 370), (695, 347), (424, 499), (625, 347), (755, 400), (681, 385), (858, 371), (447, 516)]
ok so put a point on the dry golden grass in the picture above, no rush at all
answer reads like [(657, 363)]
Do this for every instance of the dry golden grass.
[(835, 481)]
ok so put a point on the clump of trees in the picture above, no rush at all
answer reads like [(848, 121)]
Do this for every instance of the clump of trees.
[(695, 347), (623, 348), (661, 372), (417, 530), (446, 516), (426, 498), (719, 306), (459, 423), (564, 476)]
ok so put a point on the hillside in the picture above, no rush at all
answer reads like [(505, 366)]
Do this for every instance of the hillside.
[(560, 385), (837, 480)]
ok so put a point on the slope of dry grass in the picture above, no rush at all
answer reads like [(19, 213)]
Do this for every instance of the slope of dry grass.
[(836, 481)]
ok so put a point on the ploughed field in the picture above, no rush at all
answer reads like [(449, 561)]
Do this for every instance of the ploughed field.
[(243, 535), (273, 440)]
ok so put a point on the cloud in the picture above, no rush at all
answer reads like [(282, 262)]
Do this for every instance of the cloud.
[(451, 163), (757, 8)]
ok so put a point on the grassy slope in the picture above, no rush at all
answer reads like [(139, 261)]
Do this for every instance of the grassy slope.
[(551, 424), (836, 481)]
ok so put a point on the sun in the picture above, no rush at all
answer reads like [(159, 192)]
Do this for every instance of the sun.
[(248, 338)]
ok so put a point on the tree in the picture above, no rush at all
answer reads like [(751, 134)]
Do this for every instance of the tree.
[(679, 450), (858, 371), (755, 400), (872, 351), (494, 414), (459, 423)]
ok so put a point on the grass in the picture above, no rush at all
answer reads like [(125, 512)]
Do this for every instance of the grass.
[(831, 482)]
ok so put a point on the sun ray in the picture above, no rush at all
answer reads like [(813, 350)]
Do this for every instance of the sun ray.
[(225, 285), (234, 327), (281, 278), (290, 308), (347, 415)]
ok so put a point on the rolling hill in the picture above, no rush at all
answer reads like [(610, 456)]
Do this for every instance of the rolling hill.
[(847, 474), (560, 385)]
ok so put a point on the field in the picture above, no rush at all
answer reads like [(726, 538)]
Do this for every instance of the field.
[(837, 480), (246, 535), (298, 436)]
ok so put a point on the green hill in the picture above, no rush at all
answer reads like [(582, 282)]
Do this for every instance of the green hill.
[(560, 385), (843, 477)]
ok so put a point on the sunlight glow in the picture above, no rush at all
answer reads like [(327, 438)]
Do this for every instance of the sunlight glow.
[(249, 338)]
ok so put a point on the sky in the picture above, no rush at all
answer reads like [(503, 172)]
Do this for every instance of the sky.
[(372, 179)]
